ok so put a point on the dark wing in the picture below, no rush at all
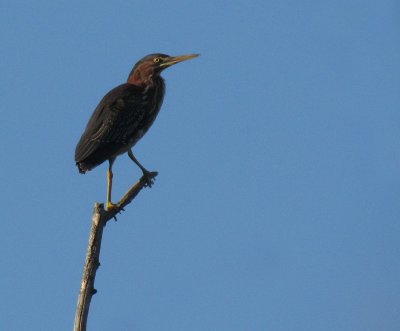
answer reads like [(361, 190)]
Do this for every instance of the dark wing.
[(113, 122)]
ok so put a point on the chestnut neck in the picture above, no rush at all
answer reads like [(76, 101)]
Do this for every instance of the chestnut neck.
[(143, 75)]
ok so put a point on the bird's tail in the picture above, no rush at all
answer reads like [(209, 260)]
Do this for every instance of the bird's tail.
[(81, 167)]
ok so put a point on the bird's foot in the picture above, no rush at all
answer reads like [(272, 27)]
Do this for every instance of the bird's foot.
[(110, 206), (149, 177)]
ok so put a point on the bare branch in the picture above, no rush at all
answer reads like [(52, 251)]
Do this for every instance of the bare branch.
[(99, 219)]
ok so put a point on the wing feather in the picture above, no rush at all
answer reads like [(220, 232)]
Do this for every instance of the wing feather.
[(111, 124)]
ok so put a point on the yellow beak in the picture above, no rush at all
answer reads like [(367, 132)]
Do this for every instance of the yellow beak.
[(176, 59)]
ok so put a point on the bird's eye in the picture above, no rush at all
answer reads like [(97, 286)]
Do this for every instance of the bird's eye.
[(156, 59)]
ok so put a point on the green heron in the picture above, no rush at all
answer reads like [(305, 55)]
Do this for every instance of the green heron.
[(123, 116)]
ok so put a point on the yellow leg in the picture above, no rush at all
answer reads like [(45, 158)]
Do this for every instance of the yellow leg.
[(147, 175), (109, 204), (133, 158)]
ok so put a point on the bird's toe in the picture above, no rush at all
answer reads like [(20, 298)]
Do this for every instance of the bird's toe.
[(149, 178), (111, 206)]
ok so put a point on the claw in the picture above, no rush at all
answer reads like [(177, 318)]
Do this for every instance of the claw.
[(149, 177), (110, 206)]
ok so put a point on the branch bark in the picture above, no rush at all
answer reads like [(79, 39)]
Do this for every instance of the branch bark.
[(100, 218)]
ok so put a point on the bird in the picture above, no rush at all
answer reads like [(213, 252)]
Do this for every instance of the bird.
[(123, 116)]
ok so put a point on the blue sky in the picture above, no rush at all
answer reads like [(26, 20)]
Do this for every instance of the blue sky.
[(277, 201)]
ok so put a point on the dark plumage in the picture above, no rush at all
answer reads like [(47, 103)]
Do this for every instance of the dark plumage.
[(124, 115)]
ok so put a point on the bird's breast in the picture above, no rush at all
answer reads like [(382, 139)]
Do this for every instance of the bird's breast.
[(144, 113)]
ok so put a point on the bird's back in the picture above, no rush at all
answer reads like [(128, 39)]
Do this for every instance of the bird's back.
[(122, 117)]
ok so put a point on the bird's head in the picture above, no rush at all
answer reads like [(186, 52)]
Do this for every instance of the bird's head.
[(151, 65)]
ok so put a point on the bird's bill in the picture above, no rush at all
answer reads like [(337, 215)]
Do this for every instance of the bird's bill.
[(176, 59)]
